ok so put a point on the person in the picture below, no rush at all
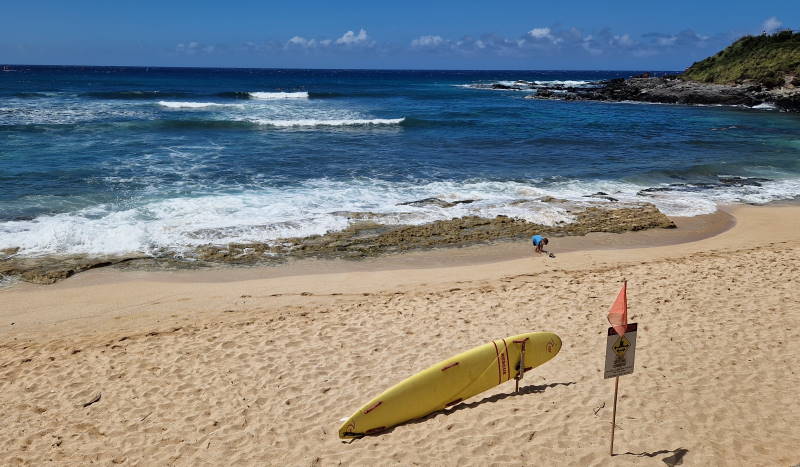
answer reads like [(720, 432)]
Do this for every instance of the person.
[(539, 242)]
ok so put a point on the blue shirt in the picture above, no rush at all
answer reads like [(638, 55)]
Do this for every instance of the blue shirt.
[(537, 239)]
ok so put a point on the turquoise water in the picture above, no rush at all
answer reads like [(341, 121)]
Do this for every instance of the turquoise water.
[(110, 160)]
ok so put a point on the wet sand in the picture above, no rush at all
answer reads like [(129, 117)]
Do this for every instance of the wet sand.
[(258, 369)]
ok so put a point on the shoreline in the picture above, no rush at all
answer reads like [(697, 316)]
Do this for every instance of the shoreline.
[(688, 229)]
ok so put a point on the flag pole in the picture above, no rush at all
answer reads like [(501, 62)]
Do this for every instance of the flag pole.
[(614, 416), (616, 381)]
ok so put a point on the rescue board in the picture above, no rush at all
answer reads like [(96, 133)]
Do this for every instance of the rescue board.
[(451, 381)]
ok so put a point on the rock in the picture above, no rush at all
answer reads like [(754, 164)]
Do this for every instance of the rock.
[(51, 269), (601, 195), (504, 87), (673, 90), (551, 199), (9, 251), (436, 202), (742, 181)]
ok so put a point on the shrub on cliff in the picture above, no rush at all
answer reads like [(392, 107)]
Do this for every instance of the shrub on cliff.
[(765, 59)]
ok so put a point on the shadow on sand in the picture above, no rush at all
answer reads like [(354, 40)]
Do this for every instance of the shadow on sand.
[(523, 391), (676, 457)]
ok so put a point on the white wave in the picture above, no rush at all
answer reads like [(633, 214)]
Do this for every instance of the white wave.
[(568, 83), (310, 122), (522, 85), (321, 205), (279, 95), (765, 106), (195, 105)]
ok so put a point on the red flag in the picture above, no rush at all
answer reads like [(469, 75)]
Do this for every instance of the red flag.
[(618, 314)]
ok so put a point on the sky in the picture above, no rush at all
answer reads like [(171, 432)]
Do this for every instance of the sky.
[(411, 34)]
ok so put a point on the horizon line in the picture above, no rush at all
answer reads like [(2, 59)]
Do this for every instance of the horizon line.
[(5, 65)]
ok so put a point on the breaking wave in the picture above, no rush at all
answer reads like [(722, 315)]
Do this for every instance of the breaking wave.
[(278, 95), (343, 122), (194, 105)]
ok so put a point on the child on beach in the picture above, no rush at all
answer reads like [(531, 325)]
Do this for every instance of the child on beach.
[(539, 242)]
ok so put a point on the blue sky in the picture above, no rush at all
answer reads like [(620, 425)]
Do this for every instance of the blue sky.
[(618, 34)]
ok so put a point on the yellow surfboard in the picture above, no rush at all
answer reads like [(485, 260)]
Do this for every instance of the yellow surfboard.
[(451, 381)]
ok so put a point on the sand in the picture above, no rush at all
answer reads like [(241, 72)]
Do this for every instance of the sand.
[(259, 370)]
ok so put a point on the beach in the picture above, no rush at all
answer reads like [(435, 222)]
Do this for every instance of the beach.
[(256, 367)]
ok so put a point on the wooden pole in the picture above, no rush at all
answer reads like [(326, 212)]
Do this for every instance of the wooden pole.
[(614, 416), (521, 369)]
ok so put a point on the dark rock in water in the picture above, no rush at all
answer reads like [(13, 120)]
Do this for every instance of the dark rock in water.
[(436, 202), (504, 87), (743, 181), (651, 191), (601, 195), (724, 182)]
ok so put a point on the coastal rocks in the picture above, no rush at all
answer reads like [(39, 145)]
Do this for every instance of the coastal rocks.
[(370, 239), (643, 217), (723, 181), (602, 195), (436, 202), (673, 90), (6, 253), (51, 269)]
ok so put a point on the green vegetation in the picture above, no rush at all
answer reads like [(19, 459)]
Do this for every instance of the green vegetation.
[(765, 59)]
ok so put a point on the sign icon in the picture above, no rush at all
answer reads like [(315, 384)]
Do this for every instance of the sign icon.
[(621, 345), (620, 352)]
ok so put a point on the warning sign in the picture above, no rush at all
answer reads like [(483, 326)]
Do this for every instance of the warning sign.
[(620, 351)]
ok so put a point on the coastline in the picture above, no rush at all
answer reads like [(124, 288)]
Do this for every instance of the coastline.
[(689, 229), (148, 347), (31, 306)]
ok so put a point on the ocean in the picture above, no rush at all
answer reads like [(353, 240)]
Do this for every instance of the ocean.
[(102, 160)]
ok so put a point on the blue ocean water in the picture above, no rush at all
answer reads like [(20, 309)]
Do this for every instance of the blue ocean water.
[(111, 160)]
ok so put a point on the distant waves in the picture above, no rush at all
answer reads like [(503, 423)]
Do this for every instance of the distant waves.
[(126, 95)]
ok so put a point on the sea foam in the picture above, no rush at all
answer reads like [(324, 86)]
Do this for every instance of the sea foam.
[(310, 122), (278, 95), (194, 105), (321, 205)]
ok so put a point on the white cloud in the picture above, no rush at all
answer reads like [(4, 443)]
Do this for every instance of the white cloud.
[(623, 41), (539, 33), (427, 41), (351, 38), (771, 25), (302, 42), (544, 34), (348, 39)]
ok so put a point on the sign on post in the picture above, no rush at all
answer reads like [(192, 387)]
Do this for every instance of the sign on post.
[(620, 352)]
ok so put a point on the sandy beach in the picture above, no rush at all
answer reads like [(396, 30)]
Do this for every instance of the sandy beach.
[(251, 367)]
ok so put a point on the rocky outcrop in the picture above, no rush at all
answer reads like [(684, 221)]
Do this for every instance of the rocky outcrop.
[(371, 239), (436, 202), (673, 90), (51, 269)]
